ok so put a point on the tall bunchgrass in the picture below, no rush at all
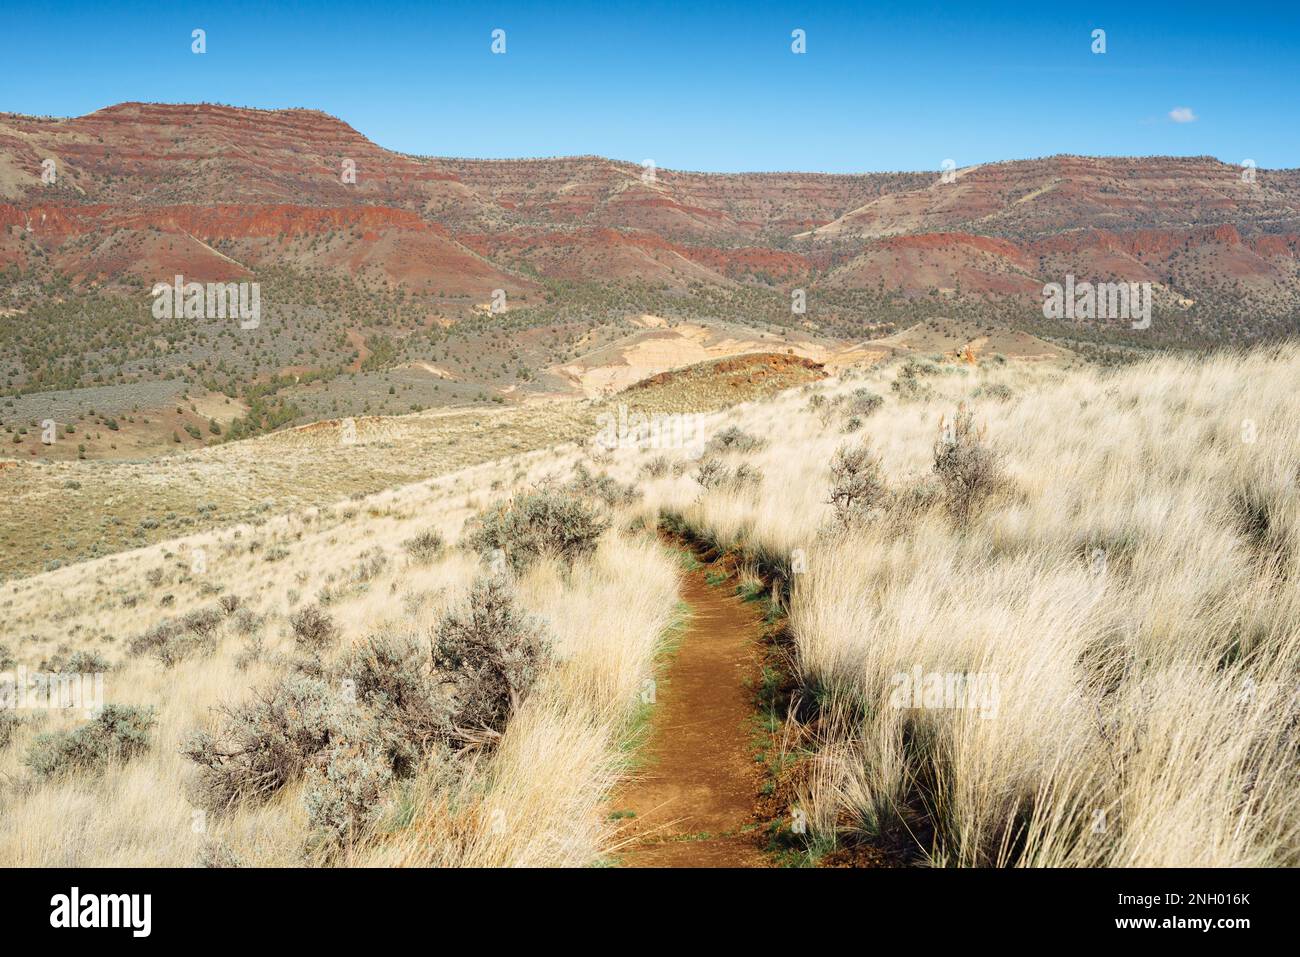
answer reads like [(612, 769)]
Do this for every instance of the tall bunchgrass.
[(1129, 580), (1132, 582), (536, 798)]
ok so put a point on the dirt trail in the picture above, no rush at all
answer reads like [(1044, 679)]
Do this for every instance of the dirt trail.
[(694, 799)]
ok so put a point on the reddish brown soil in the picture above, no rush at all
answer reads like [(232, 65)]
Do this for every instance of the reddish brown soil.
[(695, 798), (750, 368), (150, 188)]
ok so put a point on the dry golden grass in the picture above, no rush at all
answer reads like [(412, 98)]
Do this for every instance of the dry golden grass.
[(564, 749), (548, 776), (1131, 587), (70, 511)]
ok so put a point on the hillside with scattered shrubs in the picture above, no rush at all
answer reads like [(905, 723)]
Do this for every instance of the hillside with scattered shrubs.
[(1022, 615)]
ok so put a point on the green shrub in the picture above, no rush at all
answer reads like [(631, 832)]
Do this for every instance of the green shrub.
[(313, 628), (424, 547), (402, 703), (863, 402), (245, 622), (154, 639), (84, 663), (602, 488), (345, 796), (267, 742), (540, 523), (998, 391), (657, 467), (908, 384), (173, 640), (733, 439), (492, 654), (744, 476), (167, 641), (118, 733), (711, 474), (393, 677), (202, 623), (857, 487), (967, 468)]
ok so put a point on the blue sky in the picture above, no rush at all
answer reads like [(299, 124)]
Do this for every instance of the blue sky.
[(699, 86)]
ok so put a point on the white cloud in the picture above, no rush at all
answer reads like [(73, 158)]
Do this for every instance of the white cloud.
[(1182, 114)]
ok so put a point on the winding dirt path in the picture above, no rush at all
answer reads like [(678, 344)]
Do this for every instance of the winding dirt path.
[(694, 800)]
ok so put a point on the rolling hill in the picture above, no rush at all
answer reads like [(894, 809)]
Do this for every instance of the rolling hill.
[(394, 283)]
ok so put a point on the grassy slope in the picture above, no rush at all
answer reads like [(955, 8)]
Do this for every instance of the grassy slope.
[(1145, 713), (76, 510), (1132, 588)]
